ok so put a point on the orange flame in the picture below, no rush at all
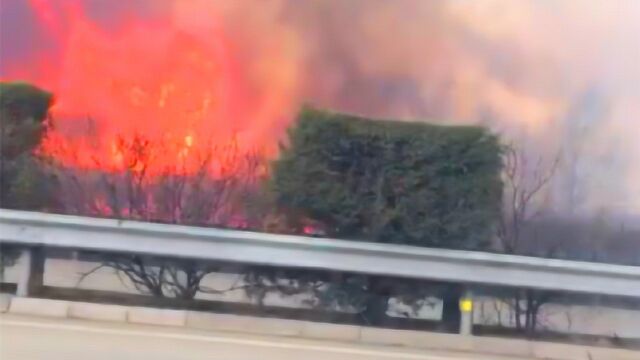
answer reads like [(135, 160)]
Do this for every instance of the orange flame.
[(148, 78)]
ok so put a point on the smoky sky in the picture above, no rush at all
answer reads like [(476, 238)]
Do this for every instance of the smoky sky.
[(18, 32), (556, 77)]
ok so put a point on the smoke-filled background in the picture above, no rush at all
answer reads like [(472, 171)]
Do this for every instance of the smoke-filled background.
[(555, 77)]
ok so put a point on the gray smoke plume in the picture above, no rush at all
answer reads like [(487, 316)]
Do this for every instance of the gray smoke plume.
[(555, 77)]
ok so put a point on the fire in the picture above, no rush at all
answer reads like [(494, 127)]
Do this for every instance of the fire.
[(188, 141), (148, 78)]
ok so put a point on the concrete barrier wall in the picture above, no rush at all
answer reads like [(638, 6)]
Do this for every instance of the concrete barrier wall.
[(98, 312), (591, 320), (39, 307), (311, 330), (588, 320), (243, 324), (161, 317)]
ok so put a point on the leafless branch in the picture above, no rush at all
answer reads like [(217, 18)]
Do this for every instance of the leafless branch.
[(88, 273)]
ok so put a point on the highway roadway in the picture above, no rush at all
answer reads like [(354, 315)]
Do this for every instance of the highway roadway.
[(29, 338)]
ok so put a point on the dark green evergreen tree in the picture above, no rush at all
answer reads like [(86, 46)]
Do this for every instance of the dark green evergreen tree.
[(408, 183)]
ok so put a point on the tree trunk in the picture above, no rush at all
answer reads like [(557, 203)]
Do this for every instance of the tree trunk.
[(375, 310), (529, 312), (451, 309), (533, 308), (156, 291), (517, 310), (534, 319), (37, 270)]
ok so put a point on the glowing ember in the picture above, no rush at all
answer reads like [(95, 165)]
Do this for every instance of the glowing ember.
[(146, 79)]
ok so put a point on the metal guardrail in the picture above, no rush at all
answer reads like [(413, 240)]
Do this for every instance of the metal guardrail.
[(109, 235)]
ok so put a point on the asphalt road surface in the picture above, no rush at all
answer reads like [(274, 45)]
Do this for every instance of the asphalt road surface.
[(27, 338)]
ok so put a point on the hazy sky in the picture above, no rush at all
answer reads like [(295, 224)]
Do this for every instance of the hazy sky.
[(553, 75)]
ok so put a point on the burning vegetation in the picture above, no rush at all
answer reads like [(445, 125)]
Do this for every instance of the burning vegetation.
[(554, 78), (172, 111), (149, 80)]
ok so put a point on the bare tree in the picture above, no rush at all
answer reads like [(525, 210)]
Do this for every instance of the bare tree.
[(525, 183), (210, 188)]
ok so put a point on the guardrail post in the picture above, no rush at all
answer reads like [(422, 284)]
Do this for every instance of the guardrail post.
[(31, 271), (466, 313)]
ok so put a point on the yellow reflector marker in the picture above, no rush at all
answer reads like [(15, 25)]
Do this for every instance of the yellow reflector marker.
[(466, 305)]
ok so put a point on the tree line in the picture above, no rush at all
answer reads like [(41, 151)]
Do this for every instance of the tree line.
[(344, 176)]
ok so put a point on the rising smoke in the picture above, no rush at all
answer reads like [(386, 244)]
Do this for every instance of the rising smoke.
[(556, 77)]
